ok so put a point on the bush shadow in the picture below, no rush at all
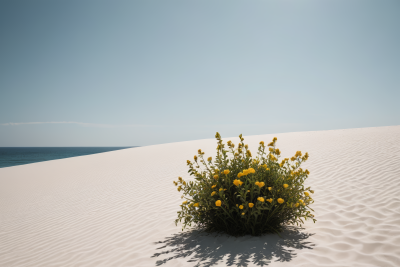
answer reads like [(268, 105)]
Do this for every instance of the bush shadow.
[(205, 249)]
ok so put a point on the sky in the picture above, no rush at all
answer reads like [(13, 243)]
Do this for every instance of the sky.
[(139, 73)]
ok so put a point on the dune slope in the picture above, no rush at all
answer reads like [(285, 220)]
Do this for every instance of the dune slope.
[(117, 208)]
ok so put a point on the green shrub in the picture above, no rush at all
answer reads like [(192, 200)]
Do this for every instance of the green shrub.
[(239, 194)]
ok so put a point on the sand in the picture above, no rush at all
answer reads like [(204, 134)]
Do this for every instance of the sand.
[(118, 208)]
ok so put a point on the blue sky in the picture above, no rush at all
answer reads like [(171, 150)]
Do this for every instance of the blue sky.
[(136, 73)]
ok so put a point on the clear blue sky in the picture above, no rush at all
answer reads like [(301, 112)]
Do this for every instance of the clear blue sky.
[(136, 73)]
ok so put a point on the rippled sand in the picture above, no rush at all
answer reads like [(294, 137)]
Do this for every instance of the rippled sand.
[(117, 208)]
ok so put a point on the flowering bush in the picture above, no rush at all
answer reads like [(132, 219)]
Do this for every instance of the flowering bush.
[(239, 194)]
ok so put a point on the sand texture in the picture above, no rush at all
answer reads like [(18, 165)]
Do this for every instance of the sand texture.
[(118, 208)]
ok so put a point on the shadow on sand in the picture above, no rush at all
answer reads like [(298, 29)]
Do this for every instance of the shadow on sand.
[(204, 249)]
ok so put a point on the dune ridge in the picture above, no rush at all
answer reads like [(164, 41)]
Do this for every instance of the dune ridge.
[(117, 208)]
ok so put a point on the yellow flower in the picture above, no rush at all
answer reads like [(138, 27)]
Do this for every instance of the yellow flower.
[(213, 186), (256, 183), (251, 205), (195, 157), (240, 174), (270, 200), (226, 172), (221, 189), (292, 158), (184, 202), (261, 199), (280, 200), (307, 172), (242, 213), (262, 143), (306, 194), (251, 170), (209, 159), (248, 191), (237, 182), (241, 207), (301, 201), (213, 193), (297, 204), (274, 139), (269, 188), (261, 184), (285, 185), (237, 205), (196, 205), (179, 188), (216, 177), (245, 172), (271, 149), (218, 203)]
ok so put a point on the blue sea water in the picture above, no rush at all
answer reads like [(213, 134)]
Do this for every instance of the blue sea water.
[(13, 156)]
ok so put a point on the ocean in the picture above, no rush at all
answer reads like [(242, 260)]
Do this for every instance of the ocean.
[(13, 156)]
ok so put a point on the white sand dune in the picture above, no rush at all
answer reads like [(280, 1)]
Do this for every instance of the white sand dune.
[(117, 208)]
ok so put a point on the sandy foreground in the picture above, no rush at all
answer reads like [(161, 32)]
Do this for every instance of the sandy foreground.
[(118, 208)]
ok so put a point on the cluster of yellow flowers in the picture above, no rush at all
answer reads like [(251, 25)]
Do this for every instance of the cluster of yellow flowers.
[(246, 172), (263, 186)]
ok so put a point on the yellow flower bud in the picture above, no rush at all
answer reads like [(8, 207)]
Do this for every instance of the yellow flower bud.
[(280, 200), (251, 205), (242, 213), (218, 203), (213, 186), (213, 193), (209, 159), (226, 171), (261, 199), (196, 205), (241, 207), (221, 189), (184, 202), (306, 194), (285, 185), (269, 188), (216, 177), (270, 200)]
